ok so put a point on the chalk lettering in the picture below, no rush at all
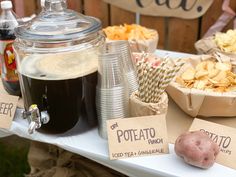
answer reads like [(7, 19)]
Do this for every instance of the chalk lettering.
[(117, 155), (114, 126), (152, 132), (225, 151), (141, 135), (226, 142), (152, 151), (119, 133), (126, 136), (6, 108), (135, 134), (155, 141), (167, 3), (221, 140), (129, 154), (186, 5)]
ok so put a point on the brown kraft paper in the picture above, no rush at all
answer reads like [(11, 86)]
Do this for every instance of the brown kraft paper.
[(179, 122), (148, 45), (48, 160), (206, 46), (139, 46), (196, 102), (139, 136), (8, 104), (224, 136), (20, 103), (139, 108)]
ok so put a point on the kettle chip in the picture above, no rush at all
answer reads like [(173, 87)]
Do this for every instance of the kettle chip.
[(213, 73), (223, 66), (201, 73), (209, 76), (189, 74)]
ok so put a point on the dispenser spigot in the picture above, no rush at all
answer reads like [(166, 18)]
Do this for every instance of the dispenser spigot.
[(35, 118)]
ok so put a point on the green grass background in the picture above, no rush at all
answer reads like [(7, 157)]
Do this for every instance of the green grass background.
[(13, 157)]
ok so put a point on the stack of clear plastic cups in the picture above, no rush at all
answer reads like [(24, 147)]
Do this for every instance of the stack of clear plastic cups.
[(123, 49), (112, 97)]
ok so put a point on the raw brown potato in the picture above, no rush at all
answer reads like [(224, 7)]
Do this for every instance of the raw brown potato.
[(197, 149)]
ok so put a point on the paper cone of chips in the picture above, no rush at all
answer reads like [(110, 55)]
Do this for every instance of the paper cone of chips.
[(141, 39), (144, 45)]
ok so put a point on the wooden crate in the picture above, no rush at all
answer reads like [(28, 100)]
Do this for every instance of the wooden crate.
[(175, 34)]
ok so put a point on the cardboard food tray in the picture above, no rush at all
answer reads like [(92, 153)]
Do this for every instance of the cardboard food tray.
[(196, 102)]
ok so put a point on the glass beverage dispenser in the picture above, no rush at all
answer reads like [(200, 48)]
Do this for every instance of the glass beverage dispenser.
[(57, 63)]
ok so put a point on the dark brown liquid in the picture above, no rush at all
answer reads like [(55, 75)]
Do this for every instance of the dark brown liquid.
[(61, 98), (90, 83)]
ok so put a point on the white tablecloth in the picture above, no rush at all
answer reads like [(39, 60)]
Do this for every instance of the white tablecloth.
[(87, 142)]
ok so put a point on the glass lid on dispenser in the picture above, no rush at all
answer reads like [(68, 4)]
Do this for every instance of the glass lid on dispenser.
[(57, 23)]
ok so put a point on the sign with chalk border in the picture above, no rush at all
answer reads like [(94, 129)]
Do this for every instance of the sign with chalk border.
[(8, 106), (139, 136)]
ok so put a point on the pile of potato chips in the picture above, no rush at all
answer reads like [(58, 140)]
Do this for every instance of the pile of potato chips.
[(226, 41), (209, 76), (129, 32)]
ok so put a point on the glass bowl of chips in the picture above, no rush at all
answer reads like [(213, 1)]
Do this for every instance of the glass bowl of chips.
[(141, 39), (205, 87)]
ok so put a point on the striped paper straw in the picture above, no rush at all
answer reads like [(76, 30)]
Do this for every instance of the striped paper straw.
[(151, 89), (142, 86), (159, 77), (140, 75), (148, 82), (168, 78), (153, 80), (159, 90), (146, 70), (164, 83)]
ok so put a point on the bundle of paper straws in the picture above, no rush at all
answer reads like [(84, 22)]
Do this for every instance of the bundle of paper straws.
[(153, 79)]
